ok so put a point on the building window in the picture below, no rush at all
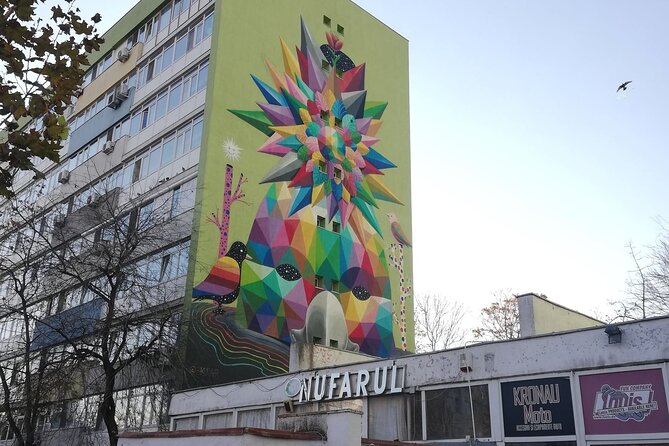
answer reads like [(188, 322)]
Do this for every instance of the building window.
[(449, 414), (334, 286), (336, 227), (320, 221), (337, 173), (395, 417), (218, 421), (318, 282), (254, 418), (186, 423)]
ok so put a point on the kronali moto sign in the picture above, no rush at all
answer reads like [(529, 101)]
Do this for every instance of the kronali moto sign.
[(538, 407), (624, 402), (343, 385)]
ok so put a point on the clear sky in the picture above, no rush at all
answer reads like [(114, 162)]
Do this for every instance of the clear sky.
[(529, 171)]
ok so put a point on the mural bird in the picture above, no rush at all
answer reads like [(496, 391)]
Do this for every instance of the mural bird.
[(397, 230), (222, 283), (623, 86)]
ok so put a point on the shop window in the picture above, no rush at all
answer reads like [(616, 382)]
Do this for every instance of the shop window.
[(218, 421), (396, 417), (449, 414), (185, 424), (260, 418)]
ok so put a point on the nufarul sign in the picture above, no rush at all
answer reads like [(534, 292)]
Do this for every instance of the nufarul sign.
[(343, 385)]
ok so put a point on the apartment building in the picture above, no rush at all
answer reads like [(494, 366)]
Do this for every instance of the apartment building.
[(270, 142)]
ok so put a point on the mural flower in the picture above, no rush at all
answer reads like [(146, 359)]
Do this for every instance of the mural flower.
[(324, 130)]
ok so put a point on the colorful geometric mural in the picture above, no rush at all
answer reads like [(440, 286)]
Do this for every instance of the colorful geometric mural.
[(323, 130), (312, 264)]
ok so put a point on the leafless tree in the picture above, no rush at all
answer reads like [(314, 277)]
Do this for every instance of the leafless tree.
[(647, 283), (28, 375), (112, 272), (438, 322), (500, 320)]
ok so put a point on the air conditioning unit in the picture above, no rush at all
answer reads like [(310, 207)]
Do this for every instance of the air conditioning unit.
[(109, 147), (93, 198), (123, 54), (122, 91), (64, 176), (120, 95)]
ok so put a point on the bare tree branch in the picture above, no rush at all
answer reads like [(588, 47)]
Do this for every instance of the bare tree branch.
[(438, 322)]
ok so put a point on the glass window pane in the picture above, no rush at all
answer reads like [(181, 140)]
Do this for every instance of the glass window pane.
[(134, 123), (168, 151), (218, 421), (177, 9), (190, 423), (187, 134), (149, 28), (125, 127), (202, 78), (145, 119), (152, 112), (175, 95), (145, 166), (158, 65), (132, 79), (197, 135), (174, 207), (198, 33), (254, 418), (168, 57), (208, 25), (180, 47), (449, 414), (154, 160), (161, 106), (180, 144), (193, 85), (164, 17), (127, 175)]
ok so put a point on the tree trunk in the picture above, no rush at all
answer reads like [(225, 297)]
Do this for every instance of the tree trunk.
[(108, 411)]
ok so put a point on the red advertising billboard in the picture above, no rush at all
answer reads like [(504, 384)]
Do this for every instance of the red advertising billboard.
[(624, 402)]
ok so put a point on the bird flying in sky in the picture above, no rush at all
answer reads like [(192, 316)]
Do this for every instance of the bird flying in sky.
[(397, 230), (623, 86)]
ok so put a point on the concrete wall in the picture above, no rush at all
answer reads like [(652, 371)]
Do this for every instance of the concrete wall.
[(311, 356), (540, 316)]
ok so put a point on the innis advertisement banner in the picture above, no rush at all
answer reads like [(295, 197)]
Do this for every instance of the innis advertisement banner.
[(538, 408), (624, 402)]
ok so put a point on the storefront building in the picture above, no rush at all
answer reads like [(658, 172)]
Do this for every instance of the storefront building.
[(582, 387)]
